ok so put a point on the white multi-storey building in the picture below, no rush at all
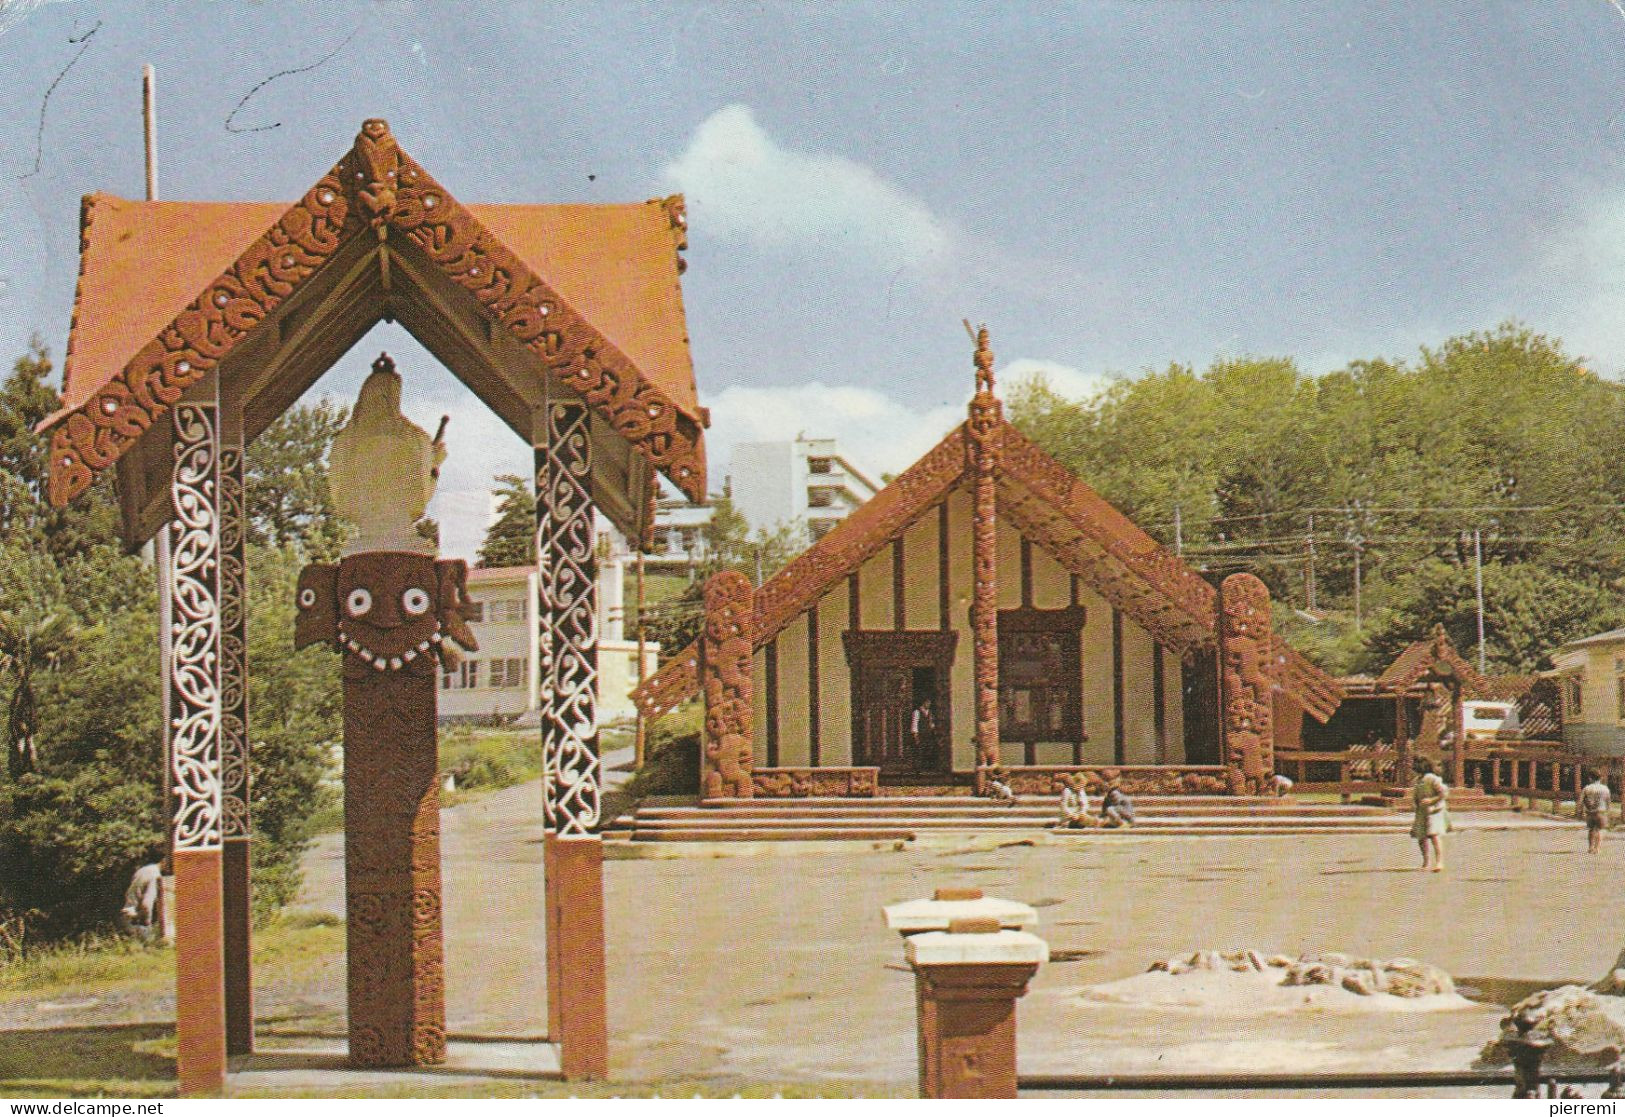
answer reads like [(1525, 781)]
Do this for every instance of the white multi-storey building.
[(502, 680), (806, 482)]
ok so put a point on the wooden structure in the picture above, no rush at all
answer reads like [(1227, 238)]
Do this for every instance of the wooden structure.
[(987, 608), (1415, 708), (196, 324)]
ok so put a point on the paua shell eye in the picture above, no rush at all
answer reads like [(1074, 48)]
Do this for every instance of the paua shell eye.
[(359, 603), (415, 601), (307, 598)]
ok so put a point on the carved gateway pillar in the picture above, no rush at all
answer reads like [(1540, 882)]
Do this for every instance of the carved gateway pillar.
[(1247, 676), (566, 555), (393, 610), (726, 646), (986, 417), (195, 744), (235, 778)]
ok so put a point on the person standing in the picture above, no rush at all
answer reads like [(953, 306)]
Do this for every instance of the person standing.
[(1432, 799), (1594, 800)]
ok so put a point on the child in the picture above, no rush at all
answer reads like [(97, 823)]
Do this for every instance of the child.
[(1075, 805), (999, 789), (1116, 808), (1594, 798)]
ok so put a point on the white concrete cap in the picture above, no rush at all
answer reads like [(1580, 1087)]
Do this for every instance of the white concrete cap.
[(914, 916), (939, 948)]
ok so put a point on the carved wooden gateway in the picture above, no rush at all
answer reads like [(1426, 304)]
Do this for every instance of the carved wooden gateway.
[(567, 322), (987, 609)]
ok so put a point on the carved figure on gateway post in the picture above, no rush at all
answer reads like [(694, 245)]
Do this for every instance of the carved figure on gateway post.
[(395, 613)]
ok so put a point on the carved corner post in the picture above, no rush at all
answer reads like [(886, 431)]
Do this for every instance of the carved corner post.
[(573, 854), (1247, 676), (195, 749), (985, 419), (235, 775), (727, 644)]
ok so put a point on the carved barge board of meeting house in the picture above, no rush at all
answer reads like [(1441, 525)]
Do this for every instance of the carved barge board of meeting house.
[(726, 647), (1247, 669), (376, 189)]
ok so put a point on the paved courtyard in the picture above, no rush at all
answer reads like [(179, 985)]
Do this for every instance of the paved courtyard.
[(728, 970), (778, 968)]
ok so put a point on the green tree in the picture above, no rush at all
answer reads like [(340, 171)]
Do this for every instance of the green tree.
[(286, 496), (511, 538), (729, 545)]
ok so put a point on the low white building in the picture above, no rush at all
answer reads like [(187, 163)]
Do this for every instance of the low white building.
[(502, 681)]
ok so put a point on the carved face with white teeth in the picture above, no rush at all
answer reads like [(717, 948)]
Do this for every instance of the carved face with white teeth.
[(386, 610)]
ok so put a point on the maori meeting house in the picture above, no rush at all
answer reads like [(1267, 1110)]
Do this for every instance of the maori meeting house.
[(989, 612)]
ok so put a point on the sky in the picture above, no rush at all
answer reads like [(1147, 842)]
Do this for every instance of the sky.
[(1109, 187)]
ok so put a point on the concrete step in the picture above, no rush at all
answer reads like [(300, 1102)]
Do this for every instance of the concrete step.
[(876, 808), (1388, 821)]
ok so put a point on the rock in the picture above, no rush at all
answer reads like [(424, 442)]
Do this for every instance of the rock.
[(1576, 1026), (1362, 982), (1406, 977)]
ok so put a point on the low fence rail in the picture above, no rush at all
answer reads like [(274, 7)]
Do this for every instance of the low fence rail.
[(1549, 1085)]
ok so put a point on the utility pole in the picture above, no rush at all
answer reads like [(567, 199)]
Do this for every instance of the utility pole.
[(161, 560), (1478, 586), (1179, 531), (1359, 545), (638, 745), (1309, 572)]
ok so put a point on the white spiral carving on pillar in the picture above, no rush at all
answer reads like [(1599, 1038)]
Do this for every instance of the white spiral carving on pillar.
[(235, 777), (195, 661), (568, 574)]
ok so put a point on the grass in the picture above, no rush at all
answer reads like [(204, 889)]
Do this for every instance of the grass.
[(488, 759), (481, 759), (100, 965)]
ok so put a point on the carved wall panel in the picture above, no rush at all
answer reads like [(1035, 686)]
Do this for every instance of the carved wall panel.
[(726, 648), (802, 783)]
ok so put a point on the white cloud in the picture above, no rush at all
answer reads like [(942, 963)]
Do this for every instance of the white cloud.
[(1063, 380), (479, 446), (741, 182), (879, 434), (1582, 275)]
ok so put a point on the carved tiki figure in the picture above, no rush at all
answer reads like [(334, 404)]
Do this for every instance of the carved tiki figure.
[(394, 612), (394, 616)]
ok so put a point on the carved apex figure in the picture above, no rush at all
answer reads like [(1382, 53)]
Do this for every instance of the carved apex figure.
[(383, 467)]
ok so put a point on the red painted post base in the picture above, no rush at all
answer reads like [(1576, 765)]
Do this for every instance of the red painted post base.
[(967, 1028), (200, 984), (576, 994), (239, 940)]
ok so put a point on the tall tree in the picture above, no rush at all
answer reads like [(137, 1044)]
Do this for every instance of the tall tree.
[(287, 499), (511, 538)]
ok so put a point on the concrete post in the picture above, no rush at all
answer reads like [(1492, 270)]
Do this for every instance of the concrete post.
[(970, 967)]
